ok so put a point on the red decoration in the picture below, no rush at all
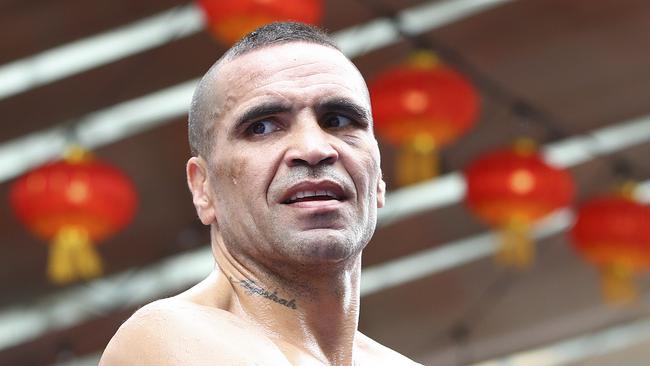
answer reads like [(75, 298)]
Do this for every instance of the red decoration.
[(613, 233), (230, 20), (513, 188), (422, 106), (74, 203)]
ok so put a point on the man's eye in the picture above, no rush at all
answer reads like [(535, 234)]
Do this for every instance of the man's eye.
[(262, 127), (337, 121)]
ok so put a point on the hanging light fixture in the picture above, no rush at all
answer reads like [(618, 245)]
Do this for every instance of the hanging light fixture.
[(74, 204), (613, 232), (422, 106), (229, 20), (511, 189)]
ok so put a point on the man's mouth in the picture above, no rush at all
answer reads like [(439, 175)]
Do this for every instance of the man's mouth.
[(314, 191), (304, 196)]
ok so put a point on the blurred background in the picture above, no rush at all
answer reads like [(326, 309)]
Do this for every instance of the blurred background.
[(466, 77)]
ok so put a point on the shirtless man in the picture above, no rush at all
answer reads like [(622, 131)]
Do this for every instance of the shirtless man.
[(286, 173)]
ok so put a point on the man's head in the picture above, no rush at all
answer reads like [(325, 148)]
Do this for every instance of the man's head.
[(292, 173)]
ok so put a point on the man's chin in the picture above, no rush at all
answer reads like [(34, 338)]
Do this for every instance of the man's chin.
[(325, 245)]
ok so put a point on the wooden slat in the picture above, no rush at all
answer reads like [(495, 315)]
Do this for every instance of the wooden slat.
[(71, 98), (30, 27)]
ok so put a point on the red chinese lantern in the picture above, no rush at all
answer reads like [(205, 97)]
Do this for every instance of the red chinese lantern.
[(230, 20), (513, 188), (613, 233), (422, 106), (73, 204)]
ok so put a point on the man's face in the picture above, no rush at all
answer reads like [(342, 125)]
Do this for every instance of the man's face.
[(294, 171)]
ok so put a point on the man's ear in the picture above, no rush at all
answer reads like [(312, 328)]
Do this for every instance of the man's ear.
[(198, 180), (381, 192)]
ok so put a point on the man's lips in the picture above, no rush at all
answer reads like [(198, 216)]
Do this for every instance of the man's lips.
[(314, 192)]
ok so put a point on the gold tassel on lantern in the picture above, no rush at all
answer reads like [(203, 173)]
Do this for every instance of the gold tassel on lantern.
[(618, 284), (417, 161), (516, 248), (73, 256)]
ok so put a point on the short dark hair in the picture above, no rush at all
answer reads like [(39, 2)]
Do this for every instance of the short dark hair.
[(199, 127)]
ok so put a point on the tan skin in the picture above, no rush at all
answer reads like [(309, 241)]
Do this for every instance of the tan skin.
[(292, 119)]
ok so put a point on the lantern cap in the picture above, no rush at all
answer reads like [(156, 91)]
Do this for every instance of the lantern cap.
[(76, 154), (627, 190), (423, 59), (524, 146)]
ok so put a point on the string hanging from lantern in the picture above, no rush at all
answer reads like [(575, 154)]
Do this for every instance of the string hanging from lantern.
[(229, 20), (74, 203)]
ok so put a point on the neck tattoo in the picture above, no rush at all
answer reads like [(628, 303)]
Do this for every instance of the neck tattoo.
[(253, 288)]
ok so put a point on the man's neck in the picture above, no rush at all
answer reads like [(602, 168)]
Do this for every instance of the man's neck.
[(315, 312)]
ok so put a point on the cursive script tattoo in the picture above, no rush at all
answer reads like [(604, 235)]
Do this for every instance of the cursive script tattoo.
[(254, 289)]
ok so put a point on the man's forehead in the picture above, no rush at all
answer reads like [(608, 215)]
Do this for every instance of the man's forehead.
[(268, 61), (297, 60)]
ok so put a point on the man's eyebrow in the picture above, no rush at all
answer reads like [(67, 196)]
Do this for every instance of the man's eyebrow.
[(261, 110), (345, 105)]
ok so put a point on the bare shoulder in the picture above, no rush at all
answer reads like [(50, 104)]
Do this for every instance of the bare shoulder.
[(178, 332), (375, 353)]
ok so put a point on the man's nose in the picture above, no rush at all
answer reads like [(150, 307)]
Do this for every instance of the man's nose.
[(310, 145)]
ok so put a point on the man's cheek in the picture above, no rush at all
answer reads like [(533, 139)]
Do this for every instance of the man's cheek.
[(235, 170)]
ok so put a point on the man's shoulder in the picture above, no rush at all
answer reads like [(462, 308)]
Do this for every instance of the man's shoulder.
[(378, 354), (177, 314), (175, 331)]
